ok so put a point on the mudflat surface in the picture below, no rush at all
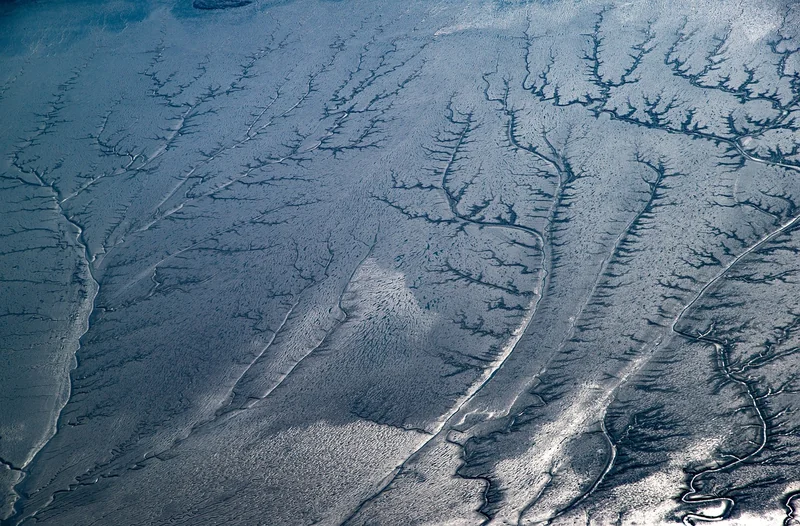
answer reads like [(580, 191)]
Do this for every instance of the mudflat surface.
[(425, 262)]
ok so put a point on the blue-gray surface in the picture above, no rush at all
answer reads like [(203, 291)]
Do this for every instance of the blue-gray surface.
[(402, 262)]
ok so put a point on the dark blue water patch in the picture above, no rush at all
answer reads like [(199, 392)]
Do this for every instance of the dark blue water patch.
[(24, 23), (220, 4)]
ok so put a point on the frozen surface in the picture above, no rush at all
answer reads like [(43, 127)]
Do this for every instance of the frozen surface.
[(404, 262)]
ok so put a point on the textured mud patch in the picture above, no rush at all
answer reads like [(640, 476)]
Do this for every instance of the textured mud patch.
[(425, 262)]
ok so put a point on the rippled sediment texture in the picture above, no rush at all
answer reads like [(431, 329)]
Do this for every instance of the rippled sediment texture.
[(426, 262)]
